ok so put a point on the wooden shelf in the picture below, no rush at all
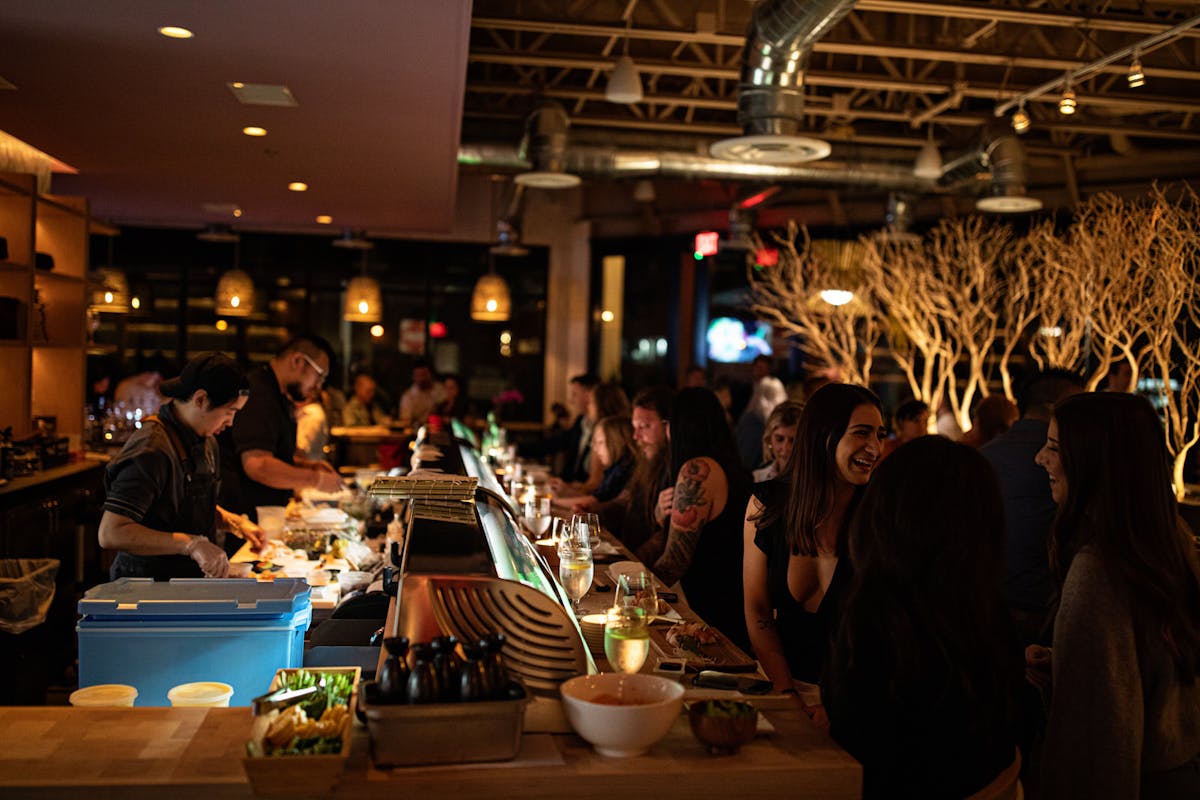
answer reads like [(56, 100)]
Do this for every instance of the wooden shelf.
[(41, 274)]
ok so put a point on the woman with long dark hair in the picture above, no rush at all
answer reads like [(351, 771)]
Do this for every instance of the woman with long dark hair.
[(794, 572), (921, 684), (702, 548), (1124, 716), (614, 450)]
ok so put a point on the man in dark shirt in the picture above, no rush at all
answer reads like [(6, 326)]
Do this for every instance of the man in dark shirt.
[(259, 462), (574, 443), (161, 509), (1028, 507)]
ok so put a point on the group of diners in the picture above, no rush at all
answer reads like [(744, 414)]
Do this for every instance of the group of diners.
[(962, 612)]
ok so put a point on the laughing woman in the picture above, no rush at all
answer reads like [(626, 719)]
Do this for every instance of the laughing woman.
[(1124, 716), (793, 570)]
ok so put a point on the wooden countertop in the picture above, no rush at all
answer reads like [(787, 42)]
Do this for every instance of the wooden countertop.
[(50, 475), (183, 753)]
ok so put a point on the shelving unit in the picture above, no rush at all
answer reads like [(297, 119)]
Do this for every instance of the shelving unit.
[(44, 367)]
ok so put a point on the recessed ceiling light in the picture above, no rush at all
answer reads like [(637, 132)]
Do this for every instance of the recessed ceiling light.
[(175, 32), (324, 219), (237, 212), (238, 85), (298, 186), (254, 130)]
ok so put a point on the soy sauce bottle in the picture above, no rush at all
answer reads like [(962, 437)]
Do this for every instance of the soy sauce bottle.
[(492, 645), (392, 682), (423, 679), (474, 683)]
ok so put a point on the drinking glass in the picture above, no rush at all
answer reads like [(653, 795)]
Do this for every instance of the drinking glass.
[(537, 516), (586, 528), (636, 590), (575, 570), (626, 638)]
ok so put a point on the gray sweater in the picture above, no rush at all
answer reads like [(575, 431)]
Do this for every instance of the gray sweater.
[(1114, 716)]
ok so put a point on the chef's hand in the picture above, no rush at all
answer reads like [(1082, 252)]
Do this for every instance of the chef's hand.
[(327, 480), (326, 466), (211, 559), (249, 531), (818, 715), (666, 500)]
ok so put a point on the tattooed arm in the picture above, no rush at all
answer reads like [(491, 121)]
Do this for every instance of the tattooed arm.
[(696, 489), (760, 616)]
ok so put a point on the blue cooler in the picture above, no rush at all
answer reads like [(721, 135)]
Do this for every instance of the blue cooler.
[(158, 634)]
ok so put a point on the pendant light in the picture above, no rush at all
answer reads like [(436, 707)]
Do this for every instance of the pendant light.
[(364, 300), (1136, 76), (1020, 119), (624, 84), (110, 288), (1068, 103), (928, 165), (491, 301), (235, 289)]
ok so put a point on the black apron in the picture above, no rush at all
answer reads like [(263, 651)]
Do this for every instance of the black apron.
[(197, 516)]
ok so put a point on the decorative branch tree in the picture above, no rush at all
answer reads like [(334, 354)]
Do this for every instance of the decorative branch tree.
[(1059, 297), (789, 295)]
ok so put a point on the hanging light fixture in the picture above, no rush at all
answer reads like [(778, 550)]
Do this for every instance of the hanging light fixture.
[(364, 300), (1020, 119), (1068, 103), (624, 84), (110, 288), (490, 300), (928, 165), (1136, 77), (235, 289)]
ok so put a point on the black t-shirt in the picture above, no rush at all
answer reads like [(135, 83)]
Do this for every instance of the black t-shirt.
[(266, 422)]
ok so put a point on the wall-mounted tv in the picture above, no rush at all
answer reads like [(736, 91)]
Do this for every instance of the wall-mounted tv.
[(734, 341)]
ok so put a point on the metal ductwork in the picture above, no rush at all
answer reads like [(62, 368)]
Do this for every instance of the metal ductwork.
[(771, 88), (543, 146), (604, 162), (1000, 160)]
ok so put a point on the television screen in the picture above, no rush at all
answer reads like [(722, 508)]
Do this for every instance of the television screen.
[(733, 341)]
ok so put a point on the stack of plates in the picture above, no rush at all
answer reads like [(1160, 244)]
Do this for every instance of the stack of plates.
[(592, 626)]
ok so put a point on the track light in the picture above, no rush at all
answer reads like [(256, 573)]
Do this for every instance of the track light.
[(1020, 120), (1136, 77), (1068, 102)]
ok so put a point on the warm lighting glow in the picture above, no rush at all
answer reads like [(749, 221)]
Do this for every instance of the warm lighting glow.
[(235, 294), (490, 300), (706, 243), (1051, 331), (298, 186), (237, 212), (111, 295), (136, 303), (1068, 102), (222, 325), (324, 219), (1020, 120), (108, 297), (492, 305), (254, 130), (836, 297), (506, 337), (235, 301), (1136, 76), (607, 316), (238, 85), (175, 32), (377, 331), (364, 300), (363, 306)]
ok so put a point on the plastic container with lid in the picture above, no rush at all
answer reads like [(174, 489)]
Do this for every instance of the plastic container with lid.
[(210, 694), (104, 695), (158, 634)]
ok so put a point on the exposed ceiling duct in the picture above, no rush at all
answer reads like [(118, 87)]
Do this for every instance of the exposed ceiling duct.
[(607, 162), (543, 147), (771, 87), (999, 165)]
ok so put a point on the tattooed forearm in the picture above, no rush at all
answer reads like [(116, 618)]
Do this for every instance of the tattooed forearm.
[(677, 558), (765, 624)]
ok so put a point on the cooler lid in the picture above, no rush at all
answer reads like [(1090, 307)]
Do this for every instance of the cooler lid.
[(195, 596)]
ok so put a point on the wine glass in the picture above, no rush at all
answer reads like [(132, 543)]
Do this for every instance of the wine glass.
[(537, 516), (575, 569), (586, 528), (636, 590), (626, 638)]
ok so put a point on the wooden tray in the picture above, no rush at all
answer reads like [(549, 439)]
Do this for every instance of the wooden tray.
[(721, 655), (304, 776)]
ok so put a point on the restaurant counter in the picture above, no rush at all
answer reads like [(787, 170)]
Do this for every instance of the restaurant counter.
[(196, 753)]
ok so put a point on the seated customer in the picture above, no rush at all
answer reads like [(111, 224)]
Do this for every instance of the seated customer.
[(701, 548), (605, 400), (613, 450), (637, 513), (911, 421), (362, 410), (925, 667), (778, 441)]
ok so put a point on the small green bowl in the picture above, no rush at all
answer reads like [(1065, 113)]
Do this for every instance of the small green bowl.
[(722, 726)]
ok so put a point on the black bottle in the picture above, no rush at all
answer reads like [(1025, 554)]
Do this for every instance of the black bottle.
[(473, 683), (492, 645), (422, 680), (392, 682)]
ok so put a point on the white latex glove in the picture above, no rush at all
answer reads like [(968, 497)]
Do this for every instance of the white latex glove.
[(211, 559)]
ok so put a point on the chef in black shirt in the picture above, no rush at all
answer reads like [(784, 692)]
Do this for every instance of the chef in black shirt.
[(259, 462), (161, 509)]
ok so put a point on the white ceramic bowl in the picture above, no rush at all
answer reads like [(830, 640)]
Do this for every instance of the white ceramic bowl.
[(620, 731)]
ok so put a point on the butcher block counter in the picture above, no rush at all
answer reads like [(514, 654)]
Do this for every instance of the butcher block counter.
[(50, 752)]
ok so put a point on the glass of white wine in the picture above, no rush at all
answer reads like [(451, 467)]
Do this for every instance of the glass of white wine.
[(575, 570), (537, 516), (626, 638)]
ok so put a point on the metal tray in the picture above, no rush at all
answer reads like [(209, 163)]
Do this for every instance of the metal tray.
[(443, 733)]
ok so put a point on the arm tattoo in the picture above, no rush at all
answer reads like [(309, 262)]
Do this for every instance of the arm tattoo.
[(765, 623), (689, 514)]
